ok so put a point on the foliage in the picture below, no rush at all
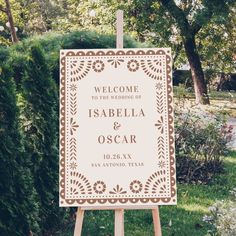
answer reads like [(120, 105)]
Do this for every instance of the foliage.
[(38, 116), (77, 15), (187, 26), (200, 142), (30, 17), (39, 121), (18, 202), (216, 43), (223, 217), (143, 20), (216, 17), (52, 43), (184, 21)]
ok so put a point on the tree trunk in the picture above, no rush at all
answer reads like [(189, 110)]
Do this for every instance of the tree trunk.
[(11, 22), (199, 82)]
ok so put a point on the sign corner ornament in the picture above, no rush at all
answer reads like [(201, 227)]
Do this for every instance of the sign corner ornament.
[(116, 128)]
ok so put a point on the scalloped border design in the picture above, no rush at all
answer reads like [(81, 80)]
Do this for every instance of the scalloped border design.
[(124, 201)]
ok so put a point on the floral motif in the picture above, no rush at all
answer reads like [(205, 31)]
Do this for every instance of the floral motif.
[(73, 87), (73, 165), (115, 62), (161, 164), (159, 86), (99, 187), (136, 186), (98, 66), (133, 65), (118, 190), (160, 124)]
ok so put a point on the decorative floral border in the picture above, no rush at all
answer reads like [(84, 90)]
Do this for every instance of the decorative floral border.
[(135, 186)]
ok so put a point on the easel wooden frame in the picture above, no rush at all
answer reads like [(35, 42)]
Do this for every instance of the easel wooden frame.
[(119, 212)]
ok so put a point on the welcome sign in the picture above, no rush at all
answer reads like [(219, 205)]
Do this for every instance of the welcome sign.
[(116, 128)]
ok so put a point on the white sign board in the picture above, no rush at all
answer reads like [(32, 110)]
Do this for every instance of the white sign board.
[(116, 128)]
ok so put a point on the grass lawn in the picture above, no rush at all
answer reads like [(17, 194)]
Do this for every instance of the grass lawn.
[(182, 220), (219, 101), (181, 91)]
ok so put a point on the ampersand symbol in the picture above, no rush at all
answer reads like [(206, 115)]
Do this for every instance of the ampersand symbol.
[(116, 126)]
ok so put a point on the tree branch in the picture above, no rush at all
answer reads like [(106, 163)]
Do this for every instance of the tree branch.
[(201, 19), (178, 14), (210, 7)]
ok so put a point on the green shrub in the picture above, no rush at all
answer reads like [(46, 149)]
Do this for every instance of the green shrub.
[(200, 143), (52, 43), (39, 120), (18, 202)]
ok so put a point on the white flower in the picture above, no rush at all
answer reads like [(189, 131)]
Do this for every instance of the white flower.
[(212, 209), (207, 218)]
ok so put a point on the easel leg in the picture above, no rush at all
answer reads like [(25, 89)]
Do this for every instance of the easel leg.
[(79, 222), (119, 214), (156, 221), (119, 222)]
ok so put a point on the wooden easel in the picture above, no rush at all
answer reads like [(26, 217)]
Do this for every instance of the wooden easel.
[(119, 212)]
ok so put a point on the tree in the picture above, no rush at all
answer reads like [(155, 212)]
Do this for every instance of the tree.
[(188, 32), (163, 22), (18, 199), (30, 17), (184, 20), (40, 122)]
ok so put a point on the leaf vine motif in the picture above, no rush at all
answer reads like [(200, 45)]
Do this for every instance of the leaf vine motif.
[(72, 149), (159, 98), (160, 145), (73, 109)]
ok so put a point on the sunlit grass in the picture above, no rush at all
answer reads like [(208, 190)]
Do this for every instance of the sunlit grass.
[(194, 208)]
